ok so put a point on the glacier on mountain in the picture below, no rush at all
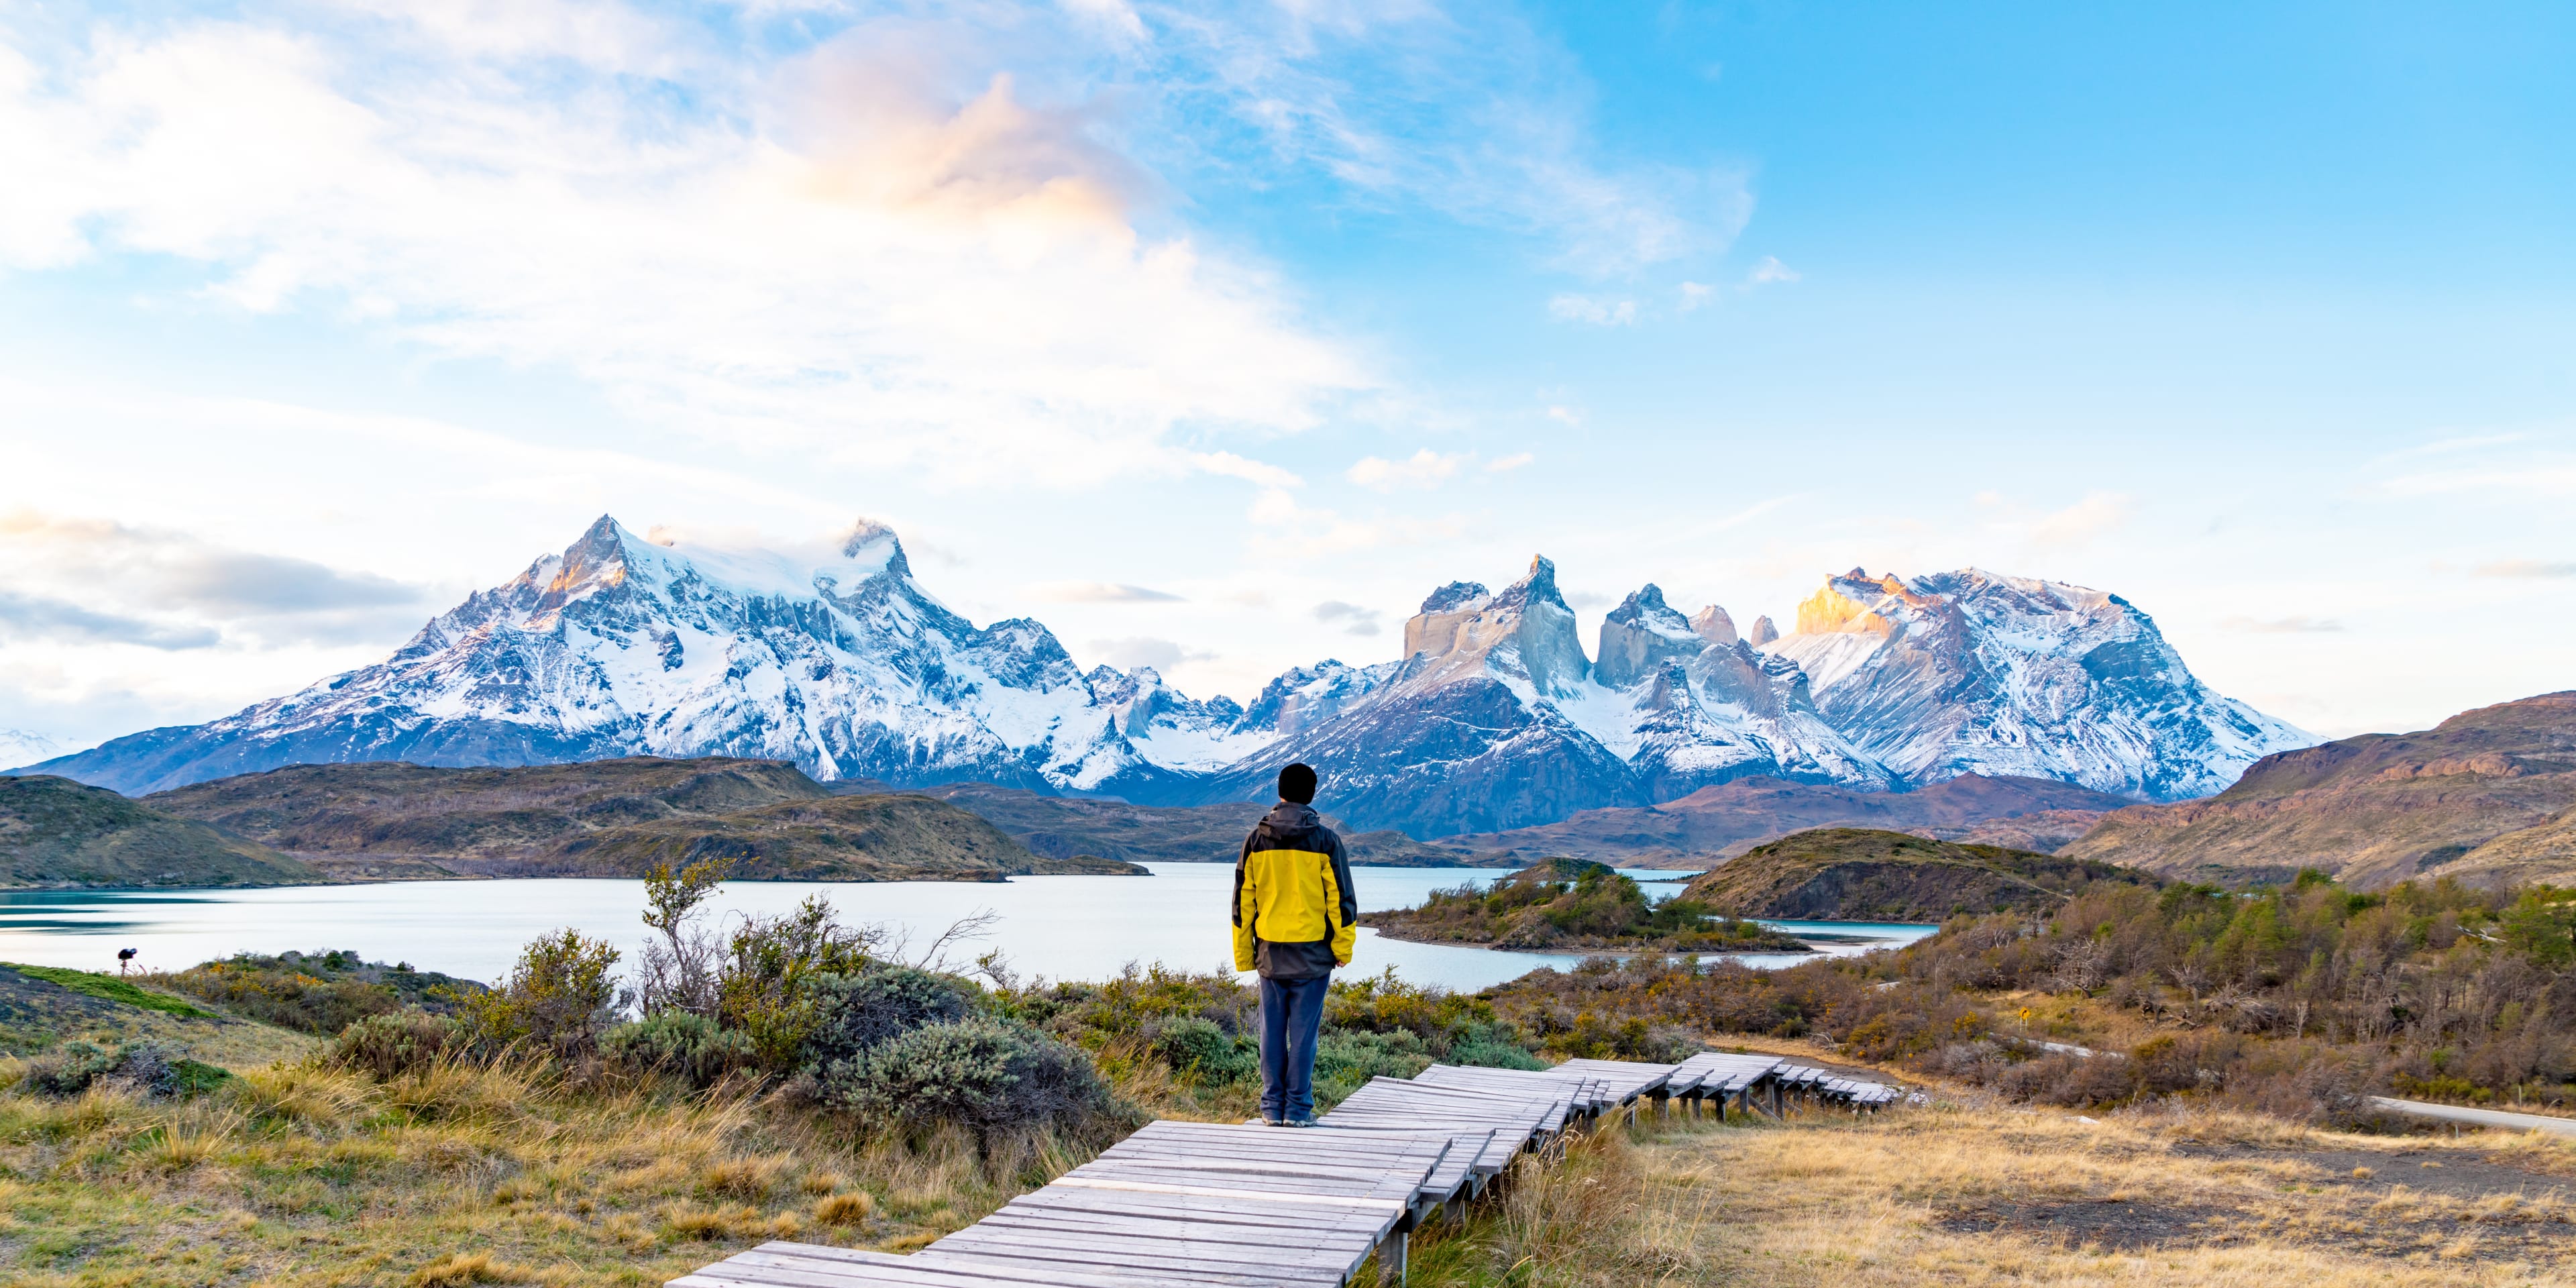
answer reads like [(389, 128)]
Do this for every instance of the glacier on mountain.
[(834, 657)]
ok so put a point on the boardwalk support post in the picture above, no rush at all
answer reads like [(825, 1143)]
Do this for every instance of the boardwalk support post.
[(1390, 1256)]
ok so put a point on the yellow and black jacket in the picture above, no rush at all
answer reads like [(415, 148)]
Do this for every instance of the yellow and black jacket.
[(1294, 913)]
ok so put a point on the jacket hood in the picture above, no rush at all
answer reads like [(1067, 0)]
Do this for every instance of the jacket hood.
[(1292, 814)]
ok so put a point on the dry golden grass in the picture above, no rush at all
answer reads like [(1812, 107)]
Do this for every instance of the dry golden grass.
[(1985, 1196), (300, 1176)]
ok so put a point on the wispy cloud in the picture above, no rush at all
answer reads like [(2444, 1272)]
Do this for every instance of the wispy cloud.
[(1101, 592), (1503, 464), (1595, 311), (35, 617), (112, 582), (876, 249), (1134, 651), (1423, 469), (1768, 270), (2284, 625), (1351, 618), (2526, 568)]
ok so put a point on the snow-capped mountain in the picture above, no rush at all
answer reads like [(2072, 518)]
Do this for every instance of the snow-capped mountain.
[(832, 657), (1496, 718), (1969, 672), (25, 747), (835, 658)]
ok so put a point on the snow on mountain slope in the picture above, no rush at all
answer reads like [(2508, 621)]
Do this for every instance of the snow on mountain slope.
[(828, 656), (831, 656), (1496, 718), (25, 747), (1969, 672)]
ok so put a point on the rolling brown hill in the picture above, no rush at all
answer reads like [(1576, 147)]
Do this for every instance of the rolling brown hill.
[(1707, 826), (1864, 874), (605, 818), (56, 832), (1064, 826), (2488, 796)]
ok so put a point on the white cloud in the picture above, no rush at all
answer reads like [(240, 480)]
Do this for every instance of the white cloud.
[(71, 579), (838, 256), (1232, 466), (1281, 528), (2526, 568), (1101, 592), (2096, 514), (1767, 270), (2284, 625), (1135, 651), (1351, 618), (1423, 469), (1598, 312), (1514, 461), (1695, 294), (1571, 417)]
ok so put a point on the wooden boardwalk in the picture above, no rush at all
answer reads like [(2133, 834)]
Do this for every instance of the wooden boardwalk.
[(1209, 1204)]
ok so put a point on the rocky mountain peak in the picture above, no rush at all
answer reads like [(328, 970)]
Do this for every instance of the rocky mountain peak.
[(1455, 597), (1639, 635), (1763, 632), (1714, 625)]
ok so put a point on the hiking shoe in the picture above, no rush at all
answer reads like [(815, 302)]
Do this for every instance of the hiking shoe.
[(1274, 1122), (1308, 1121)]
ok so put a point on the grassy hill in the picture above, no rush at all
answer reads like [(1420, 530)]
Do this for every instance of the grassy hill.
[(1573, 905), (1861, 874), (1702, 829), (847, 838), (1065, 826), (605, 818), (41, 1008), (2487, 796), (56, 832)]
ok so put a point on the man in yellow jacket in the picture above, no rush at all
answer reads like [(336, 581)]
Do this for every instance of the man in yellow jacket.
[(1295, 917)]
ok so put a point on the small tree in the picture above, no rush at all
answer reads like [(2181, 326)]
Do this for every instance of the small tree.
[(678, 972), (559, 996)]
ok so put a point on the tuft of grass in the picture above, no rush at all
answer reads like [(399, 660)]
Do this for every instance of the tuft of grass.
[(742, 1178), (844, 1209), (109, 988), (462, 1270)]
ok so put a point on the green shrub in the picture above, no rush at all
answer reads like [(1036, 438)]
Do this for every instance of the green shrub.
[(1344, 1062), (75, 1067), (320, 992), (981, 1073), (692, 1048), (769, 984), (1204, 1054), (1494, 1055), (395, 1043), (854, 1013), (558, 998)]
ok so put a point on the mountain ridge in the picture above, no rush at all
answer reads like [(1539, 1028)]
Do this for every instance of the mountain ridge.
[(833, 656)]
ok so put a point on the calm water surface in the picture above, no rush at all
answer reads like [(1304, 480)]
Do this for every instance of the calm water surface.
[(1068, 927)]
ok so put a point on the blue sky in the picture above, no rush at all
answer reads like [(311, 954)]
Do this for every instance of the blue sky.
[(314, 317)]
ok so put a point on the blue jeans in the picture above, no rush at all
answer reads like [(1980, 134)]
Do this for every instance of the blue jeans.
[(1292, 1012)]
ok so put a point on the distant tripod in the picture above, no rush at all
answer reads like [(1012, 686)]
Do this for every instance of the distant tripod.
[(123, 956)]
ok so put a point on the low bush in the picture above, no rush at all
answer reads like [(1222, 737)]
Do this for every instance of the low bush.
[(882, 1001), (1203, 1054), (982, 1073), (320, 992), (148, 1068), (395, 1044), (692, 1048), (559, 997)]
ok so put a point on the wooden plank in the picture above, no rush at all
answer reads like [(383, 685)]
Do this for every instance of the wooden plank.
[(1373, 1202)]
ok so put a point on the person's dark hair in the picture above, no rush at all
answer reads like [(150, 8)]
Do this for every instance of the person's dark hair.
[(1297, 783)]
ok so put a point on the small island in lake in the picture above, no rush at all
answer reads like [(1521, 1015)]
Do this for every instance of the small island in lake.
[(1574, 905)]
